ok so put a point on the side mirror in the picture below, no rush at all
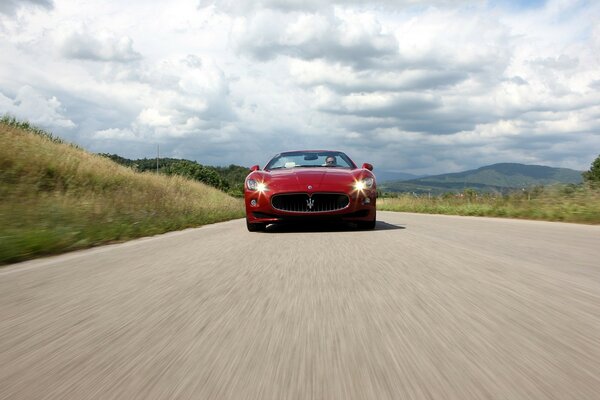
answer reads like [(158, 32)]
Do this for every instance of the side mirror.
[(254, 168), (368, 166)]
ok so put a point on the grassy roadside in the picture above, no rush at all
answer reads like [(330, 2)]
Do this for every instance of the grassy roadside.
[(579, 204), (56, 197)]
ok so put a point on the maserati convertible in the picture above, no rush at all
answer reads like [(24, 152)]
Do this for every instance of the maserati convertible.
[(310, 185)]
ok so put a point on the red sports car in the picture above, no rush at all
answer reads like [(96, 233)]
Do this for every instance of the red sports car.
[(310, 185)]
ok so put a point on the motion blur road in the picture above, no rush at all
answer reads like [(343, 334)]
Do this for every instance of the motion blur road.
[(423, 307)]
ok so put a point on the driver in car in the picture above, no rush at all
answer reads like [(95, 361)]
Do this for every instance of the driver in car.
[(330, 161)]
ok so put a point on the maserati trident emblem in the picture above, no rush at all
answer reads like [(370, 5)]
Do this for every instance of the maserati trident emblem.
[(310, 203)]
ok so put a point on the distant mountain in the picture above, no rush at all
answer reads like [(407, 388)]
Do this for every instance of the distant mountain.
[(389, 175), (492, 178)]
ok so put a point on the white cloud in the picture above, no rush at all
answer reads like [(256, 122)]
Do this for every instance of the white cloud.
[(115, 134), (420, 86), (30, 105), (345, 79), (338, 35), (244, 7), (153, 118), (10, 7), (97, 46)]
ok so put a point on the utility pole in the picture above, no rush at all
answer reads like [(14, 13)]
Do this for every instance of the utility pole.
[(157, 155)]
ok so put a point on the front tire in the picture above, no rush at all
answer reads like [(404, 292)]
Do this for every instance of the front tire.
[(367, 225), (257, 227)]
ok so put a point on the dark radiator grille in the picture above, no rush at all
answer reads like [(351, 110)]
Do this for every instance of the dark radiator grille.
[(318, 202)]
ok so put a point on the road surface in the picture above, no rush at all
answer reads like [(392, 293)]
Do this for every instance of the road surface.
[(423, 307)]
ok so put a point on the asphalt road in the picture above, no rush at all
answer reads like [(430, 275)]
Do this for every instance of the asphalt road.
[(424, 307)]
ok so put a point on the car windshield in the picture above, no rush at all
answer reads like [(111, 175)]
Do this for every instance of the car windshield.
[(304, 159)]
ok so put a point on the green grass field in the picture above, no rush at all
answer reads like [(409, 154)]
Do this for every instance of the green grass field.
[(570, 203), (56, 197)]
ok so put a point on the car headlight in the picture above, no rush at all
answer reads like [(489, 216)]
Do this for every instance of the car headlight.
[(252, 184), (366, 183)]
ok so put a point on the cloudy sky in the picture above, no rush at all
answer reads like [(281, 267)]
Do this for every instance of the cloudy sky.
[(429, 86)]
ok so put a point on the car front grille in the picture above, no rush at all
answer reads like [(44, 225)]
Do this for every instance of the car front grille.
[(303, 203)]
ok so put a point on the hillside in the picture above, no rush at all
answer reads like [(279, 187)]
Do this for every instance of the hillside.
[(229, 179), (492, 178), (57, 197)]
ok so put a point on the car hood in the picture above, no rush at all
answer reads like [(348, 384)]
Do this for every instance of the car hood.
[(318, 178)]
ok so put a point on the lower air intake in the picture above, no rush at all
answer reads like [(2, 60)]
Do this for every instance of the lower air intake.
[(303, 203)]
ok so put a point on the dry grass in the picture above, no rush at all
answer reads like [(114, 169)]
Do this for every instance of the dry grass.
[(57, 197), (579, 204)]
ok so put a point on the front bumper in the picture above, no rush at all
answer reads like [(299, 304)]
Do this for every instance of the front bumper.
[(361, 207)]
